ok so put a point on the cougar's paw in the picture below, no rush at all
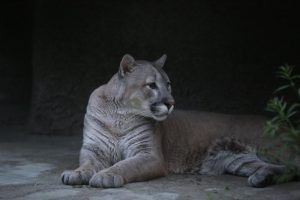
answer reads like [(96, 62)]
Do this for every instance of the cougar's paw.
[(73, 177), (260, 179), (265, 176), (107, 180)]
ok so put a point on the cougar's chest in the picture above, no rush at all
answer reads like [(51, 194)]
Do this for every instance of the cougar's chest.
[(120, 123), (116, 127)]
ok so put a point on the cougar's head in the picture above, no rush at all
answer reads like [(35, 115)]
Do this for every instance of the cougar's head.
[(146, 87)]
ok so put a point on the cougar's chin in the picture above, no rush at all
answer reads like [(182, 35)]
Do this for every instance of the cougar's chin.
[(159, 117), (160, 111)]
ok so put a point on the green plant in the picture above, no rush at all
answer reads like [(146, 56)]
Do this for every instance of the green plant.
[(284, 128)]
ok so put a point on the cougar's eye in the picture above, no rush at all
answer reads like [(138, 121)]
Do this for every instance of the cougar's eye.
[(152, 85)]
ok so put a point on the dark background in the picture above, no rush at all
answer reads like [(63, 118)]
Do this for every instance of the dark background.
[(222, 55)]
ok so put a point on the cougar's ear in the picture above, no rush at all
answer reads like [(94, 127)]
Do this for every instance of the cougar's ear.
[(161, 61), (126, 65)]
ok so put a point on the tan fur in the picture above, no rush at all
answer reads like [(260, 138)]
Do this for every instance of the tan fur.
[(126, 137), (188, 134)]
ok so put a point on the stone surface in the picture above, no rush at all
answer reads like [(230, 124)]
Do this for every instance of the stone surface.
[(30, 168)]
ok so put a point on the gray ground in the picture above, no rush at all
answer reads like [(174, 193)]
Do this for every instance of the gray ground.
[(30, 168)]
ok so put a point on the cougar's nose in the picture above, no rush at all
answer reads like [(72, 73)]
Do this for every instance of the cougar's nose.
[(169, 103)]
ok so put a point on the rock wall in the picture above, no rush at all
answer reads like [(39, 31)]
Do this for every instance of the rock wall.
[(222, 55), (15, 62), (15, 51)]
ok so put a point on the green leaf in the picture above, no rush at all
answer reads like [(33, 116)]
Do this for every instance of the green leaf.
[(283, 106), (289, 115), (295, 77), (285, 71), (282, 88), (293, 107)]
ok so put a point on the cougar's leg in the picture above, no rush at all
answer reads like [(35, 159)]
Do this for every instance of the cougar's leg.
[(230, 156), (92, 160), (142, 161), (137, 168)]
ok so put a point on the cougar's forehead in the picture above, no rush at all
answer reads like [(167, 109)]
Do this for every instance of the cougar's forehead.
[(163, 74), (150, 73), (160, 77)]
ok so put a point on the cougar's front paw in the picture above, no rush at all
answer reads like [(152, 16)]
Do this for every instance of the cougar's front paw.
[(74, 177), (107, 180)]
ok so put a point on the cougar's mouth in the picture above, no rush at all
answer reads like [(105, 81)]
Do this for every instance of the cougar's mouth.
[(161, 110)]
